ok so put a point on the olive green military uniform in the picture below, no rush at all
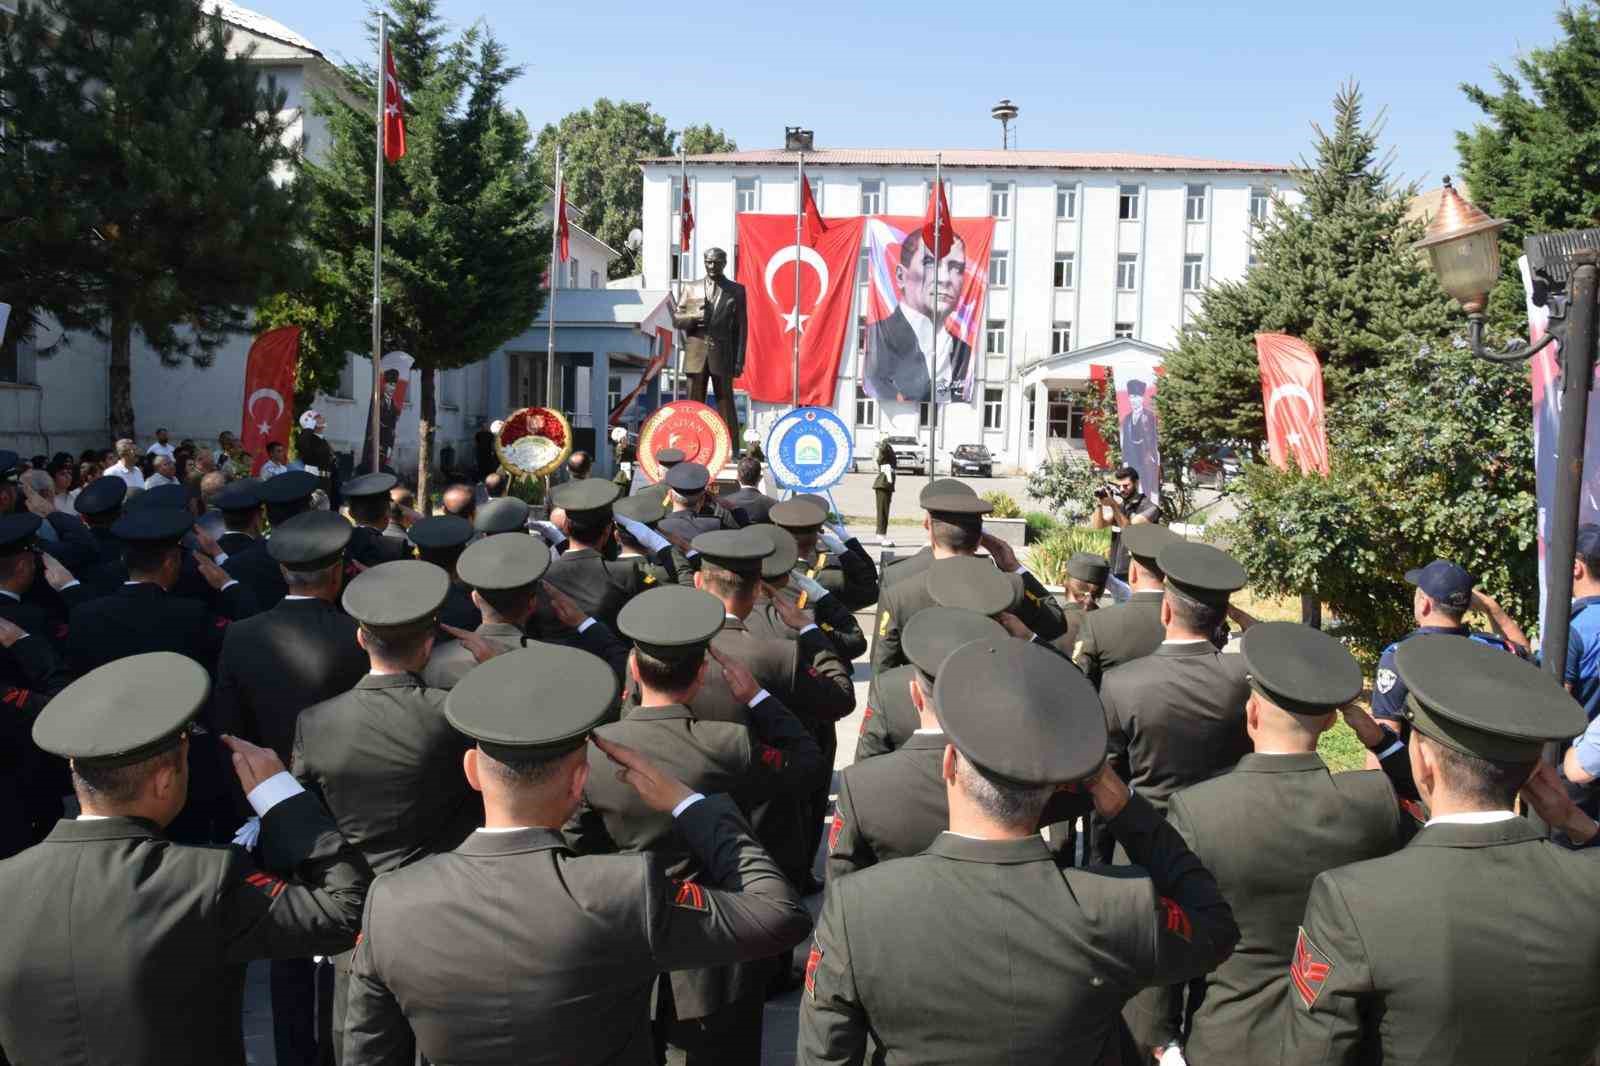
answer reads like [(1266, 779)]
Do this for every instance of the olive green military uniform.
[(889, 718), (836, 621), (1118, 634), (905, 566), (599, 586), (850, 575), (1036, 609), (889, 807)]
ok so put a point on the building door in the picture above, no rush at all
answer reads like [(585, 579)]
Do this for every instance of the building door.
[(526, 384)]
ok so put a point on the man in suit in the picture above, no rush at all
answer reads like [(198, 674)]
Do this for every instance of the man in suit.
[(714, 324), (983, 949), (1132, 629), (1478, 942), (748, 503), (1267, 828), (583, 938), (901, 346), (842, 566), (123, 946), (598, 585), (367, 499)]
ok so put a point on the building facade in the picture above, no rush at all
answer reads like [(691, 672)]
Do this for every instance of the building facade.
[(1098, 258)]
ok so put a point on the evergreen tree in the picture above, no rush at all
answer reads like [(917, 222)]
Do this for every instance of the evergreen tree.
[(137, 180)]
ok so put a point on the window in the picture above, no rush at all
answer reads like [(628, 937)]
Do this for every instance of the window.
[(866, 408), (594, 279), (1066, 202), (861, 334), (346, 389), (924, 415), (1252, 260), (449, 388), (872, 198), (1000, 199), (680, 263), (1123, 331), (999, 269), (744, 195), (1064, 265), (1194, 273), (572, 273), (1194, 206), (1060, 338), (1128, 203), (613, 391), (994, 337), (1127, 272), (1259, 196), (993, 407)]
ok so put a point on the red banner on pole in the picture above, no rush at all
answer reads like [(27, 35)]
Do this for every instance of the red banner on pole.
[(268, 392), (1291, 390), (767, 254), (1093, 443), (394, 105)]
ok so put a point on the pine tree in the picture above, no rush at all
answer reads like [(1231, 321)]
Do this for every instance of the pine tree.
[(137, 181)]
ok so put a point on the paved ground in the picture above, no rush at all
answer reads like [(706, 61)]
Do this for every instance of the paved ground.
[(854, 497)]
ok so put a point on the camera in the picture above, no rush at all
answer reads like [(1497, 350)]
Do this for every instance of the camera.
[(1102, 493)]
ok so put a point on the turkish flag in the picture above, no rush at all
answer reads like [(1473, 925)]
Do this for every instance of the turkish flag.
[(813, 226), (394, 110), (268, 392), (686, 230), (563, 237), (767, 256), (947, 237), (1291, 389)]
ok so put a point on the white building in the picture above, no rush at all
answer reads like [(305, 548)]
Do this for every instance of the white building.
[(1098, 258)]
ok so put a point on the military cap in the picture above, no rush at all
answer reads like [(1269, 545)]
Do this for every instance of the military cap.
[(101, 496), (739, 550), (369, 485), (1087, 566), (165, 496), (671, 622), (1444, 582), (1020, 713), (496, 563), (785, 553), (972, 584), (647, 506), (670, 457), (439, 531), (957, 505), (125, 711), (544, 699), (154, 525), (1144, 540), (242, 495), (798, 515), (943, 486), (291, 486), (1482, 700), (813, 498), (933, 633), (688, 479), (1300, 669), (506, 514), (9, 463), (1201, 571), (399, 593), (586, 496), (17, 532), (311, 540)]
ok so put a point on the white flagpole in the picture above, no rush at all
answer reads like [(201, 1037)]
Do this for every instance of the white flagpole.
[(684, 258), (799, 215), (552, 385), (938, 326), (377, 246)]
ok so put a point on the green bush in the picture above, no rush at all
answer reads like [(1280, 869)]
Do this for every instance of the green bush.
[(1048, 558), (1004, 506), (1040, 525), (1065, 483)]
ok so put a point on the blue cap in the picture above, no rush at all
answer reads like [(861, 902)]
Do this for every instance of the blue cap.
[(102, 495), (1588, 545), (1445, 582)]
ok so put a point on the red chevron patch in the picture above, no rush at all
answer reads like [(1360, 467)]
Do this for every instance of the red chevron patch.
[(269, 885), (1177, 922), (690, 896), (17, 697), (866, 716), (771, 758), (813, 960), (1309, 970), (834, 831)]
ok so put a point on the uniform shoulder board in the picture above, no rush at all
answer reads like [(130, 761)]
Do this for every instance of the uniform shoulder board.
[(1309, 969), (649, 579), (690, 896)]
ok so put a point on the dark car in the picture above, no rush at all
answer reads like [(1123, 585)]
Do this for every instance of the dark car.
[(972, 459)]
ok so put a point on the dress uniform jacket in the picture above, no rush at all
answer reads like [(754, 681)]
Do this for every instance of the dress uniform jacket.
[(1476, 945), (837, 622), (1265, 830), (32, 782), (143, 617), (1119, 634), (255, 568), (370, 547), (750, 506), (906, 566), (120, 946), (513, 949), (986, 951), (890, 717), (850, 576), (685, 526), (234, 540), (597, 585), (450, 661), (1037, 610), (889, 808)]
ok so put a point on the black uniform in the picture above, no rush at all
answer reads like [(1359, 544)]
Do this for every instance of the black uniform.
[(371, 547), (143, 617), (689, 525), (32, 782), (254, 568), (1119, 634), (749, 505)]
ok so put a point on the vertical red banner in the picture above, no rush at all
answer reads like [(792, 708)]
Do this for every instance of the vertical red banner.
[(1291, 391), (268, 392), (1093, 443)]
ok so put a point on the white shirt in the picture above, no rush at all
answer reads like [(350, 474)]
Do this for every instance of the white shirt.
[(155, 481), (129, 474), (926, 331), (67, 501), (158, 448), (272, 469), (1472, 818)]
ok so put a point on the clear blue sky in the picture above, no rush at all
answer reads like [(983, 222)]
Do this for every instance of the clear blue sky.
[(1232, 79)]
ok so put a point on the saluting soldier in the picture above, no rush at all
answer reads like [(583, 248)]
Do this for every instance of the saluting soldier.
[(120, 945), (440, 540), (909, 565), (240, 504), (1132, 629), (784, 613), (1086, 583), (285, 496), (636, 518), (1267, 828), (841, 566), (689, 516), (599, 586), (581, 939), (367, 499), (30, 779), (983, 949), (1479, 941), (100, 505), (504, 514)]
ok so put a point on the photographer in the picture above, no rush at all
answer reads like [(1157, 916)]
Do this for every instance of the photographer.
[(1119, 505)]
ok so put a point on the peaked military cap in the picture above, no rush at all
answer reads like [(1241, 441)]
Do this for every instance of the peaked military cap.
[(10, 462), (957, 505), (586, 496), (971, 584), (291, 486), (1020, 713), (125, 711), (377, 484), (785, 553), (17, 532), (439, 531), (1482, 700), (648, 506), (1445, 582), (798, 515), (164, 496), (943, 486), (541, 699), (671, 622), (242, 495), (812, 497), (1300, 669), (311, 540), (398, 593), (687, 479), (933, 633), (153, 525), (670, 457), (1199, 570), (101, 496), (1087, 566), (504, 515), (739, 550), (497, 563), (1144, 540)]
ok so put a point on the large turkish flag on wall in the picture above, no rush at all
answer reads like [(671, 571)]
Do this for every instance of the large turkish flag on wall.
[(268, 392), (767, 254), (1291, 389)]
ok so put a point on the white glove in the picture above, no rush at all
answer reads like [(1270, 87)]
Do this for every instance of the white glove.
[(248, 834), (1173, 1056), (809, 585), (833, 542), (552, 536), (648, 538), (887, 470)]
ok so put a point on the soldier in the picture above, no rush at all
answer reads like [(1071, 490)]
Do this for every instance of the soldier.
[(1086, 583), (708, 1016), (122, 946), (580, 938), (440, 540), (240, 504), (507, 514), (367, 499), (883, 488), (984, 924), (636, 519), (100, 505), (909, 565), (689, 516), (842, 567), (30, 789), (599, 586), (783, 614), (504, 572), (284, 496), (1132, 629), (1268, 827), (1479, 941), (750, 506)]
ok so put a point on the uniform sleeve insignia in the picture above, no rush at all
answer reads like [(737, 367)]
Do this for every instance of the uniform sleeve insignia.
[(1386, 679), (825, 627), (1309, 970), (17, 697), (690, 896), (800, 601), (1077, 649), (649, 579), (266, 884), (813, 960), (866, 716), (883, 624), (771, 758), (834, 831), (1177, 922)]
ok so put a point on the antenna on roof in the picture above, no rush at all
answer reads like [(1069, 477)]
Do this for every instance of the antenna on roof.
[(1006, 112)]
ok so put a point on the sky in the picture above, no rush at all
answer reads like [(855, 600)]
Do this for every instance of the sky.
[(1220, 79)]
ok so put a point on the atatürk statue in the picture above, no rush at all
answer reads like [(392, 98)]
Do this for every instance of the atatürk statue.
[(712, 317)]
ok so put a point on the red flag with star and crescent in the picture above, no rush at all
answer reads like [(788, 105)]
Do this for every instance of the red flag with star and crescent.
[(686, 220), (1291, 391), (268, 392), (563, 235), (394, 110)]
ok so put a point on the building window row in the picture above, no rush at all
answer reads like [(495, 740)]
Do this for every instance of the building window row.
[(993, 408), (1060, 338), (1065, 261), (746, 195), (999, 269)]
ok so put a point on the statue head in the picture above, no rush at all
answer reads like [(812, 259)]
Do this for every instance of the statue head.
[(716, 262)]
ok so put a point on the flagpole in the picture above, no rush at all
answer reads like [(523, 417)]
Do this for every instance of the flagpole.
[(377, 248), (683, 259), (552, 376), (799, 215), (938, 326)]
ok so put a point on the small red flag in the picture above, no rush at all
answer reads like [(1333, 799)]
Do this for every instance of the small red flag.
[(687, 220), (947, 233), (563, 236), (394, 106), (814, 226), (1291, 389)]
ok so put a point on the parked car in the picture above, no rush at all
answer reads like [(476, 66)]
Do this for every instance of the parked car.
[(973, 460), (910, 454)]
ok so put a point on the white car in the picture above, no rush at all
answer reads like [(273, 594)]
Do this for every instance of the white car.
[(910, 454)]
